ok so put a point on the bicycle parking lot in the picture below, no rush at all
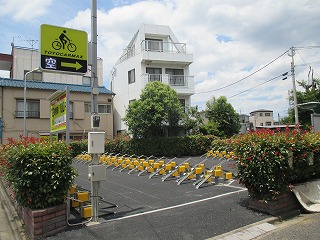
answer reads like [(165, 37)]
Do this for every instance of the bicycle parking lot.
[(140, 207)]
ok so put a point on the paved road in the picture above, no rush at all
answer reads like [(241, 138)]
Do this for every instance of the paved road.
[(152, 209)]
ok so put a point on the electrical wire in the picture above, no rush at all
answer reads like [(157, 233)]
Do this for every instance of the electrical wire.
[(282, 75), (247, 75), (305, 48)]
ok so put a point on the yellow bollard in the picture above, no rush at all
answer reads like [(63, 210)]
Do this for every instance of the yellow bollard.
[(86, 211), (82, 196), (182, 169), (161, 162), (228, 176), (187, 165), (198, 170), (168, 167), (217, 173), (156, 165)]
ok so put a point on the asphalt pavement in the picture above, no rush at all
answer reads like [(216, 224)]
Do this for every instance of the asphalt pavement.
[(136, 207)]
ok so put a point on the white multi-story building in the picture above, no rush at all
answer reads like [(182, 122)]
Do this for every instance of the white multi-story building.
[(261, 117), (153, 54)]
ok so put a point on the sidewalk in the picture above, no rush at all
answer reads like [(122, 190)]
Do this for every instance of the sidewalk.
[(304, 226), (11, 227)]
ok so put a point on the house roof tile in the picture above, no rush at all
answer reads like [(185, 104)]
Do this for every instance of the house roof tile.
[(8, 82)]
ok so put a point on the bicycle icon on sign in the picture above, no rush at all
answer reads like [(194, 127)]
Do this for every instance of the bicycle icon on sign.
[(64, 41)]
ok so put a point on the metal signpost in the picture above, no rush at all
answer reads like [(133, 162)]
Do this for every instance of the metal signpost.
[(63, 49), (59, 114)]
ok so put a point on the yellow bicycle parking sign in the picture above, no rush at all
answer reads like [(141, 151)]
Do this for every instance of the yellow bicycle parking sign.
[(63, 49)]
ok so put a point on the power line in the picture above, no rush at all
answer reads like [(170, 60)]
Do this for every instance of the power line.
[(305, 48), (247, 75), (282, 75)]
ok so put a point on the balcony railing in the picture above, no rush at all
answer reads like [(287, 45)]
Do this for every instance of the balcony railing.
[(29, 114), (178, 80), (154, 46), (160, 46), (172, 80), (155, 77)]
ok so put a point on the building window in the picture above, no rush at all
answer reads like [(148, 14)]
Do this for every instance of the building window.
[(261, 114), (86, 81), (36, 76), (155, 74), (183, 104), (102, 108), (154, 45), (32, 108), (176, 76), (87, 107), (267, 114), (131, 76), (261, 124), (268, 123)]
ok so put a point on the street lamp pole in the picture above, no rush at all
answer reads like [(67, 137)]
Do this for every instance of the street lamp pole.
[(25, 101)]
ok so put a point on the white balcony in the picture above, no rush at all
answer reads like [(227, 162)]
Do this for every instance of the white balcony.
[(183, 84), (159, 51)]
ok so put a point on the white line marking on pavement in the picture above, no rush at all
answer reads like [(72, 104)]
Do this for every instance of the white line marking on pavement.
[(176, 206)]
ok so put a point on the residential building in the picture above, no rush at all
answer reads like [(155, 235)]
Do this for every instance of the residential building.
[(153, 54), (261, 117), (39, 86), (244, 123)]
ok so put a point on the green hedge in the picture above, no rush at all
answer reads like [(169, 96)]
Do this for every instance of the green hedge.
[(171, 146), (40, 172)]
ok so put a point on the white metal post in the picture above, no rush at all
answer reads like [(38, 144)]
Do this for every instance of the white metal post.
[(94, 106)]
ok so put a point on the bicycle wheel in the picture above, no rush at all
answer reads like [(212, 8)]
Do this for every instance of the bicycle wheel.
[(56, 45), (72, 47)]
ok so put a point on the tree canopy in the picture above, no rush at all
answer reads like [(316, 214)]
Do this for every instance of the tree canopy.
[(223, 119), (311, 93), (157, 110)]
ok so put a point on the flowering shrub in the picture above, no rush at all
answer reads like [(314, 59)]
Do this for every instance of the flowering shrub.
[(40, 171), (270, 161)]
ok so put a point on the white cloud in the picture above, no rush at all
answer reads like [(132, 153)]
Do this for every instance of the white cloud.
[(24, 10), (259, 32)]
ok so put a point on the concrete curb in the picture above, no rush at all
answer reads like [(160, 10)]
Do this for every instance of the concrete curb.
[(12, 216), (244, 230), (257, 229)]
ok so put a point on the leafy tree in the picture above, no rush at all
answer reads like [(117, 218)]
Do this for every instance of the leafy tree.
[(311, 93), (157, 110), (192, 120), (211, 128), (224, 117)]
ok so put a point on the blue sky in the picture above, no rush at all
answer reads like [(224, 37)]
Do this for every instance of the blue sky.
[(231, 41)]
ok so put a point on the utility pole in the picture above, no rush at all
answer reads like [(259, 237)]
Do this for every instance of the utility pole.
[(294, 91), (94, 86)]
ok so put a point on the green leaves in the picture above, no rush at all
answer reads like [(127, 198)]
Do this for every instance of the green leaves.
[(223, 117), (263, 160), (40, 171), (157, 109)]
